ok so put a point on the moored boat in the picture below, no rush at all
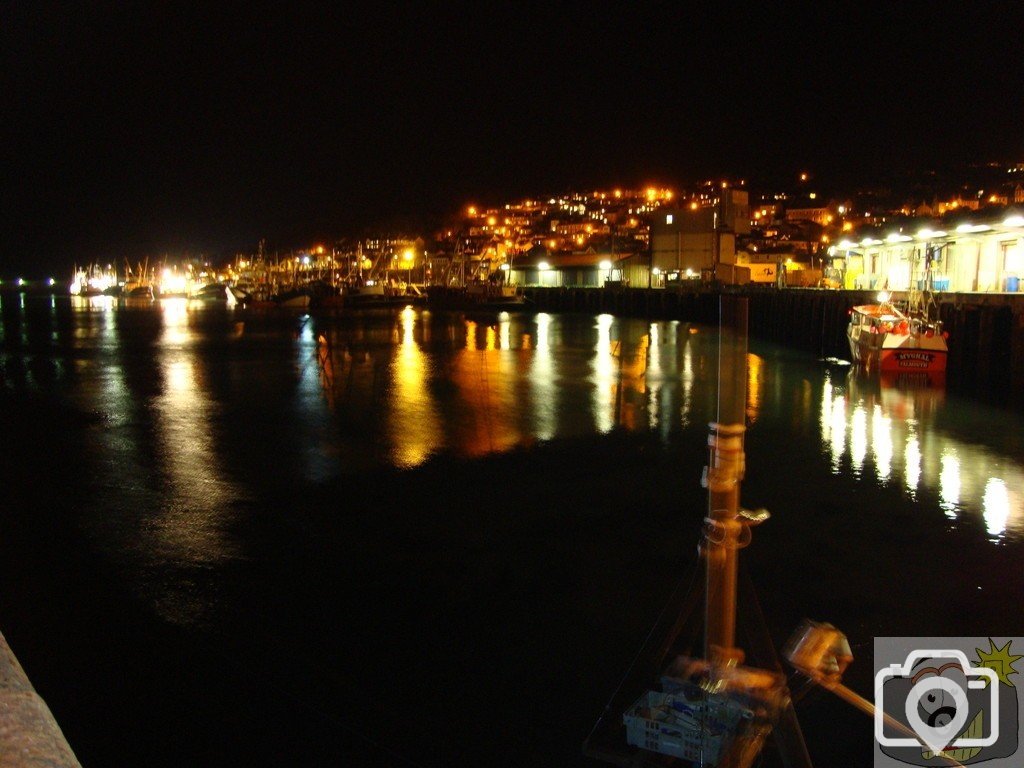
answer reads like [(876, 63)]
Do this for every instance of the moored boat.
[(94, 280), (479, 295), (380, 294), (884, 338), (144, 292), (214, 292)]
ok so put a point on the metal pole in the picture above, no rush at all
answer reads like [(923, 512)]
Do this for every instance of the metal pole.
[(724, 473)]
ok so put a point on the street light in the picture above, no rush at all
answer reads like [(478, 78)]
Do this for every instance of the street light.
[(408, 257)]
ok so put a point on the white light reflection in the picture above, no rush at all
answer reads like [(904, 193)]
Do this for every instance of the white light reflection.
[(949, 485), (503, 331), (313, 413), (826, 407), (912, 465), (966, 478), (542, 381), (836, 430), (996, 507), (189, 531), (858, 438), (881, 438), (604, 376)]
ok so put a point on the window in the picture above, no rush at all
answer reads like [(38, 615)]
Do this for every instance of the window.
[(668, 218)]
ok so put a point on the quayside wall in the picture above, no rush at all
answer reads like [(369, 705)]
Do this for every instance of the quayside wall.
[(986, 331), (29, 736)]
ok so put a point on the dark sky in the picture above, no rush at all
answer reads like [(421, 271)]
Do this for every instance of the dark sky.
[(164, 127)]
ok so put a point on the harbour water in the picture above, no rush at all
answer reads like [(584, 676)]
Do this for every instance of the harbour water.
[(415, 538)]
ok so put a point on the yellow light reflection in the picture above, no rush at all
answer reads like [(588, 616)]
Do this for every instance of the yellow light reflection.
[(654, 376), (486, 379), (755, 386), (413, 423), (686, 378)]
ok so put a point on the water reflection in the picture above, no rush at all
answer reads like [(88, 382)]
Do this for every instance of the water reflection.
[(903, 442), (949, 483), (543, 385), (190, 528), (312, 411), (160, 499), (413, 423), (604, 375), (197, 407), (482, 384)]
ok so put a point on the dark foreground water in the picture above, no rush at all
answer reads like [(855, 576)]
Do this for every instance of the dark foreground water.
[(427, 539)]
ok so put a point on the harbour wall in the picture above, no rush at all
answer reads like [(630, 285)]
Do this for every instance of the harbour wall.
[(986, 331), (29, 736)]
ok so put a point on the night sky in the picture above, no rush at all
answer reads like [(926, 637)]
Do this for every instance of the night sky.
[(204, 127)]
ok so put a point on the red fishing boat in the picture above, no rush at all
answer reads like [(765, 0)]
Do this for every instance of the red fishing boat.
[(885, 338)]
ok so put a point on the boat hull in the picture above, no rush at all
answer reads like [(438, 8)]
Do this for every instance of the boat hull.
[(889, 356), (891, 344)]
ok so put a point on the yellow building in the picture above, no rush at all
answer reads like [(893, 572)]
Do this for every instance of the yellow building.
[(974, 256)]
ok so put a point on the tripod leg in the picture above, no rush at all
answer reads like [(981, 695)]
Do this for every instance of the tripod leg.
[(789, 739), (787, 735)]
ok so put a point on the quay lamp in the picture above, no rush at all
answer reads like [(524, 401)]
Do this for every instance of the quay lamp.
[(542, 268), (972, 228)]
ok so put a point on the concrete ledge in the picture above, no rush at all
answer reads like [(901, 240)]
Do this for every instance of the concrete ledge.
[(29, 735)]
